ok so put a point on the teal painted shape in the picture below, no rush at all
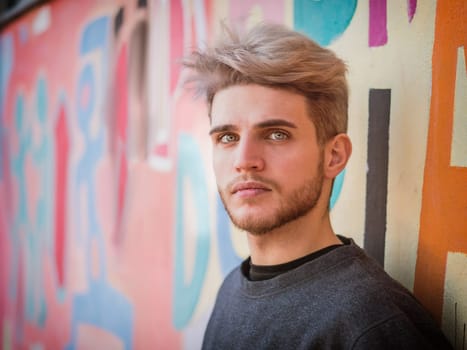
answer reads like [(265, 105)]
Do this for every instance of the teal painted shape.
[(190, 170), (336, 189), (323, 20), (6, 67), (41, 100), (40, 239), (7, 56)]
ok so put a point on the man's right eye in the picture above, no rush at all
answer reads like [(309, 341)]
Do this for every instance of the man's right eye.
[(227, 138)]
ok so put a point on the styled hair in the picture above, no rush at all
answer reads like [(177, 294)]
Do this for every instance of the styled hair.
[(274, 56)]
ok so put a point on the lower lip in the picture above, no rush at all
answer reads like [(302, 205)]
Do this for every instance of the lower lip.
[(251, 192)]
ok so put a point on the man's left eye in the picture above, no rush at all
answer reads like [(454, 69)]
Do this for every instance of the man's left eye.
[(278, 136)]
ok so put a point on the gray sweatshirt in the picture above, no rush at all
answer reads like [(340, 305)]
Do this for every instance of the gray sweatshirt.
[(341, 300)]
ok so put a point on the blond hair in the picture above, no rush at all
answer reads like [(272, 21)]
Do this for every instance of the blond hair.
[(274, 56)]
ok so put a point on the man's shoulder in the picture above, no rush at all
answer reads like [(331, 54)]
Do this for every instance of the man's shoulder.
[(367, 296), (232, 281), (356, 276), (342, 297)]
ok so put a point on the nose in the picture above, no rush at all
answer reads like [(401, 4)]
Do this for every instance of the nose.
[(249, 156)]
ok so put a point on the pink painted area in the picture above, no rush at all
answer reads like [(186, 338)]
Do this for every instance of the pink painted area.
[(19, 300), (121, 85), (273, 11), (4, 256), (55, 333), (176, 44), (122, 184), (61, 189), (378, 34), (7, 184), (161, 150), (32, 187), (14, 187), (85, 96), (148, 244), (122, 144), (106, 201), (411, 8), (90, 337)]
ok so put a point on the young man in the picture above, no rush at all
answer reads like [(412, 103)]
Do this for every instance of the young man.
[(278, 109)]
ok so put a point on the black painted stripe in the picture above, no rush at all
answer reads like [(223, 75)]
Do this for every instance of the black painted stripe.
[(377, 173)]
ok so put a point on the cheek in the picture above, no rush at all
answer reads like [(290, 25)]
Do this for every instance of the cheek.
[(220, 166), (297, 164)]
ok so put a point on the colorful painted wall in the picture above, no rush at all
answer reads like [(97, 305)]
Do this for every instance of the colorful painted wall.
[(111, 232)]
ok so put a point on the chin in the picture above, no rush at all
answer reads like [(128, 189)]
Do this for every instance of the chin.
[(254, 224), (250, 214)]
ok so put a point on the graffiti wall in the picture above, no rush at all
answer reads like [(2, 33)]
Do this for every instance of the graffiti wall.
[(112, 235)]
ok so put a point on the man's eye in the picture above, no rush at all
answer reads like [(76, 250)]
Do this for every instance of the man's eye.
[(278, 136), (228, 138)]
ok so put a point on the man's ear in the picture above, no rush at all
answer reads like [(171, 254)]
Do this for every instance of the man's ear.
[(337, 153)]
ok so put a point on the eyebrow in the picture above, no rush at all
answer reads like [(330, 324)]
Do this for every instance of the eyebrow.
[(275, 122), (222, 128), (265, 124)]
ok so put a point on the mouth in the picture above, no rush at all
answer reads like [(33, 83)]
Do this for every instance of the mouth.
[(249, 189)]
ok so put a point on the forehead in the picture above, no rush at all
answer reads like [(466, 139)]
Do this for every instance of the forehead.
[(252, 104)]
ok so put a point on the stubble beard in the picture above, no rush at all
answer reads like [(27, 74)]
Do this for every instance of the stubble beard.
[(297, 204)]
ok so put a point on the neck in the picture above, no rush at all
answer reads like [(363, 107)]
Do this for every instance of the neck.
[(293, 240)]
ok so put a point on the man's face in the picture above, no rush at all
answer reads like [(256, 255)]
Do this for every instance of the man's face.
[(267, 161)]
